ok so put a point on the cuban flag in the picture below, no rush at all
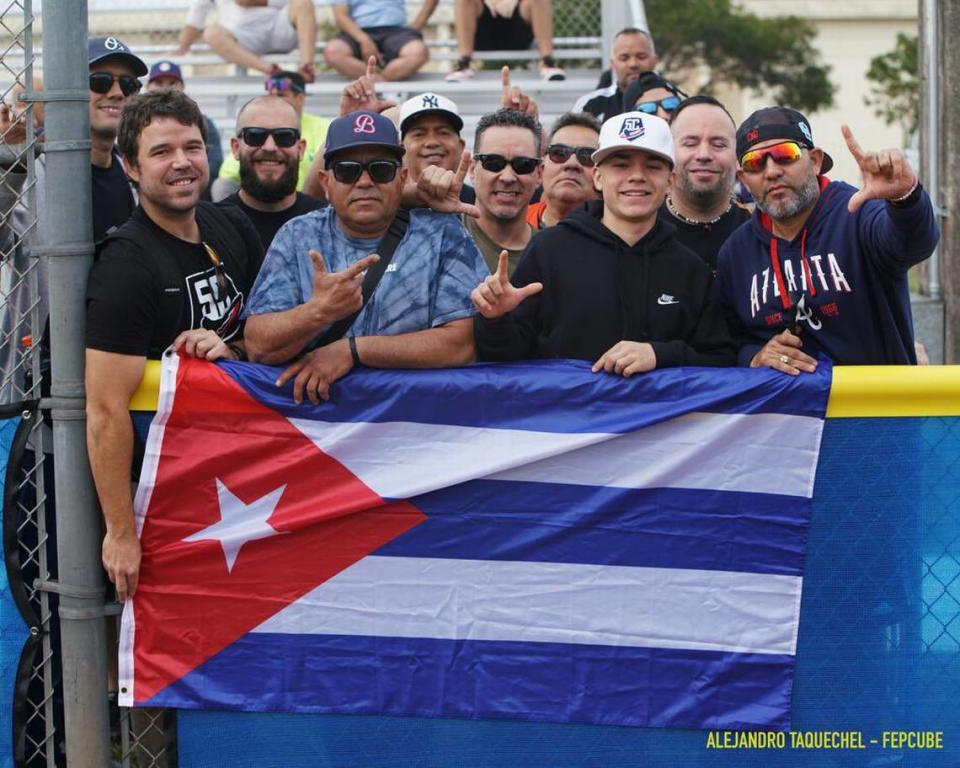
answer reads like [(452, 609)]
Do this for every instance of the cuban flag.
[(530, 541)]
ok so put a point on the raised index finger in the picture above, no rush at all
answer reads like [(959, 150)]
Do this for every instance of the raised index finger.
[(502, 264), (852, 144), (505, 78), (372, 67), (462, 169)]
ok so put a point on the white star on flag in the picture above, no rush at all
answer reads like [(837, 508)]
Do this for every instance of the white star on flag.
[(239, 522)]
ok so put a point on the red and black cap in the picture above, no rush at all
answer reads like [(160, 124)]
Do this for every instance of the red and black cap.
[(777, 123)]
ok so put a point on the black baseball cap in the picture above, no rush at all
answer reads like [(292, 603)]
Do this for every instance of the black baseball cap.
[(647, 82), (100, 48), (777, 123)]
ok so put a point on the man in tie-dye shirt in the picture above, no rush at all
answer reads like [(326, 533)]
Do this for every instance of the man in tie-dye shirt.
[(419, 316)]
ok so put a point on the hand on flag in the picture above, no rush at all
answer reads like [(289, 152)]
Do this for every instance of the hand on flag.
[(203, 344), (626, 358), (121, 560), (313, 373), (784, 353)]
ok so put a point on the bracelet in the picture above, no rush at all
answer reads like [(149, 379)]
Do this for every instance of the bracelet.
[(903, 198), (352, 341)]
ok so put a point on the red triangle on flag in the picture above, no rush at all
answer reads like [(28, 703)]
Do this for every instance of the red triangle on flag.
[(189, 604)]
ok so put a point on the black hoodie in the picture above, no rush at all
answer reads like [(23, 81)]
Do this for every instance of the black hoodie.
[(597, 291)]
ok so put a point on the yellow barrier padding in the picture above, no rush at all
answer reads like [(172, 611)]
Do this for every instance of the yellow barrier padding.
[(148, 393), (884, 391), (868, 391)]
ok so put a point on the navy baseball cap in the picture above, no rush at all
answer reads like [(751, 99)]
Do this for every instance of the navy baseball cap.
[(100, 48), (777, 123), (361, 129), (165, 68)]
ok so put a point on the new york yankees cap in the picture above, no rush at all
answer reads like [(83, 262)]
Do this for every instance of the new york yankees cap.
[(777, 123), (429, 104), (361, 129), (100, 48), (635, 130)]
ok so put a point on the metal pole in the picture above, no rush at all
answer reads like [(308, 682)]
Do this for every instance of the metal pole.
[(931, 136), (69, 253)]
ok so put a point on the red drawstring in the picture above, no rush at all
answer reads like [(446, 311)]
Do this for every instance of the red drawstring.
[(778, 276)]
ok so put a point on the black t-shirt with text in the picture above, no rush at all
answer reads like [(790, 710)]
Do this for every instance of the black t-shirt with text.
[(126, 294), (268, 223)]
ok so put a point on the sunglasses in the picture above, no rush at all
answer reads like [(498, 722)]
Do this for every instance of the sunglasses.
[(283, 84), (650, 107), (282, 137), (102, 82), (560, 153), (495, 163), (381, 171), (785, 153)]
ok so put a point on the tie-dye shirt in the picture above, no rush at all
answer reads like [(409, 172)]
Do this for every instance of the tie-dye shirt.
[(427, 283)]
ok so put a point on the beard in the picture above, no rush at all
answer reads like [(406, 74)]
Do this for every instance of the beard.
[(705, 199), (268, 191), (804, 196)]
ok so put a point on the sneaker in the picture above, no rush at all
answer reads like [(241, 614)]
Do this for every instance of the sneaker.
[(550, 71), (461, 72)]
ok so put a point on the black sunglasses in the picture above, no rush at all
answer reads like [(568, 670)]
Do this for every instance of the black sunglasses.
[(282, 137), (381, 171), (560, 153), (668, 104), (495, 163), (102, 82)]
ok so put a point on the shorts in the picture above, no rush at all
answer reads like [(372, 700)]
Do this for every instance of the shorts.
[(265, 35), (389, 40), (495, 33)]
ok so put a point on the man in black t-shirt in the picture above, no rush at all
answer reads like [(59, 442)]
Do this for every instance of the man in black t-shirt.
[(701, 203), (177, 273), (269, 148)]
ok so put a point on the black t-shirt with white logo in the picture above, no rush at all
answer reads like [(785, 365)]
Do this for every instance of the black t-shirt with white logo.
[(129, 300)]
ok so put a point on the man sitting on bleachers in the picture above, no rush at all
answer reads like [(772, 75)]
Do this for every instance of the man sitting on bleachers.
[(249, 29), (290, 87), (378, 28), (633, 54), (495, 25)]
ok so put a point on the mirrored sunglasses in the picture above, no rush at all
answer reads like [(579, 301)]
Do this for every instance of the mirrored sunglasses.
[(102, 82), (282, 137), (784, 153), (380, 171), (283, 84), (495, 163), (560, 153), (668, 104)]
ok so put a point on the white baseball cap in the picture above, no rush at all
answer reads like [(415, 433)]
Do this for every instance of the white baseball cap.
[(430, 104), (635, 130)]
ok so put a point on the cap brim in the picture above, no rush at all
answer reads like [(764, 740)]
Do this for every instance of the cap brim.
[(453, 117), (139, 68), (827, 163), (602, 154), (395, 148)]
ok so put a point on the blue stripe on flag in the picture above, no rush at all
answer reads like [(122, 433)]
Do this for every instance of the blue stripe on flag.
[(483, 679), (665, 527), (547, 396)]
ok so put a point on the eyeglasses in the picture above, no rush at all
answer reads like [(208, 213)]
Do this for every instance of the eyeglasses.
[(785, 153), (283, 84), (560, 153), (282, 137), (381, 171), (495, 163), (668, 104), (102, 82)]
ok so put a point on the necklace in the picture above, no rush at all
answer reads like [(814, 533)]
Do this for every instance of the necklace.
[(695, 222)]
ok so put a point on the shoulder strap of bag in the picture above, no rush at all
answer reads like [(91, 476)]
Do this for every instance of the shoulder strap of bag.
[(371, 280)]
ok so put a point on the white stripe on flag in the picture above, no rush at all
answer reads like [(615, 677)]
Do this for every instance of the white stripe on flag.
[(551, 602), (758, 453)]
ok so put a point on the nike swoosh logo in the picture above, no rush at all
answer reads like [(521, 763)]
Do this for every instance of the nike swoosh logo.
[(665, 300)]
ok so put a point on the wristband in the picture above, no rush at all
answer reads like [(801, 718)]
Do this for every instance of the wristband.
[(907, 199), (352, 341)]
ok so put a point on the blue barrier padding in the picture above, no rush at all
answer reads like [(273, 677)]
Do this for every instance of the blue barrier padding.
[(878, 652), (13, 630)]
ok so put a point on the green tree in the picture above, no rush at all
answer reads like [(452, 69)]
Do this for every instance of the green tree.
[(895, 90), (772, 53)]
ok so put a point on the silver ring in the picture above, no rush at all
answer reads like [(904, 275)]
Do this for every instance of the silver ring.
[(784, 359)]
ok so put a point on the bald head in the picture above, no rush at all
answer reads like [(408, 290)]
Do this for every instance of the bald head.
[(281, 112)]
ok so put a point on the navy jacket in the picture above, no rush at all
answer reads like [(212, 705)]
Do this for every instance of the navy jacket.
[(850, 270)]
